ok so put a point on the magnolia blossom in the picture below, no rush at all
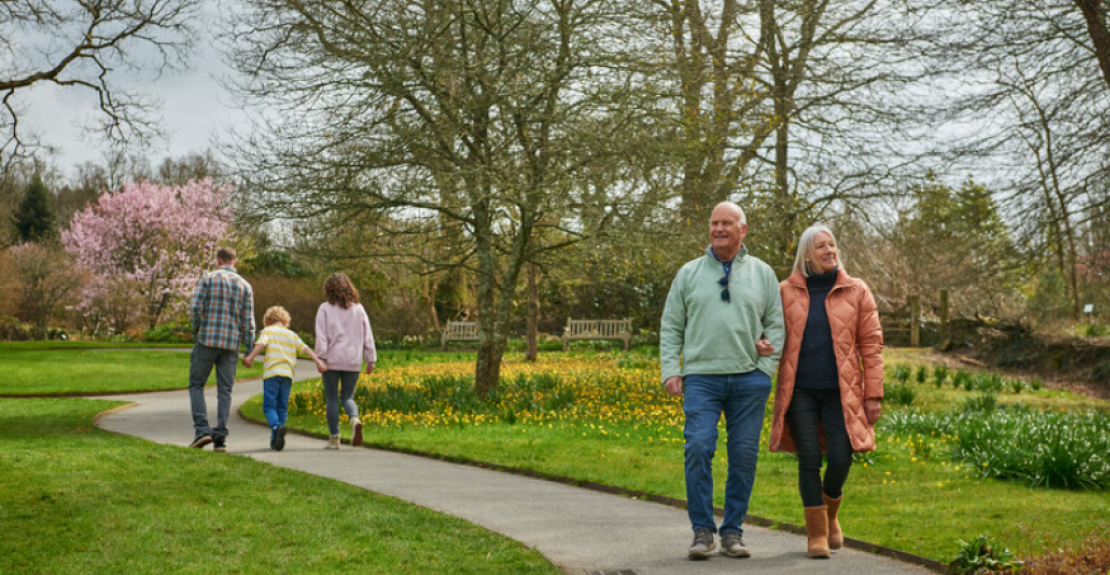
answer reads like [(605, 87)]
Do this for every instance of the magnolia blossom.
[(151, 240)]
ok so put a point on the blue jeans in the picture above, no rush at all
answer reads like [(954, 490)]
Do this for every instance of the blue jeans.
[(275, 399), (201, 362), (742, 398)]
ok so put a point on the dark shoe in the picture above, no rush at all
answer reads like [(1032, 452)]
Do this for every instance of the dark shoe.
[(733, 545), (703, 544), (218, 445), (279, 438), (200, 441)]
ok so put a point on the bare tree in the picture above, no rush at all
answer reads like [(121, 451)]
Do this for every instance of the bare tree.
[(472, 121), (88, 44), (1039, 114), (796, 104)]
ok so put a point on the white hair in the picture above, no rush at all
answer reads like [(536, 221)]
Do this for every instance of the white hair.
[(735, 207), (805, 247)]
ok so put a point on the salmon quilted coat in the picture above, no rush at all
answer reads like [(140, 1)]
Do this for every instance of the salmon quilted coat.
[(858, 347)]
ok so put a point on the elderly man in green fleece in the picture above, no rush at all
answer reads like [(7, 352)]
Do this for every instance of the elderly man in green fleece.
[(720, 307)]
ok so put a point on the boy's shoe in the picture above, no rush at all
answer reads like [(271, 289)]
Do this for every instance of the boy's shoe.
[(703, 544), (200, 441), (356, 432), (279, 438), (733, 545), (219, 446)]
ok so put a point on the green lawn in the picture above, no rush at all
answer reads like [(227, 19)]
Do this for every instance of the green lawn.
[(906, 496), (75, 499), (93, 371)]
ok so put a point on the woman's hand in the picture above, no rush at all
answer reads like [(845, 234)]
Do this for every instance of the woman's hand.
[(872, 409), (369, 368), (764, 347)]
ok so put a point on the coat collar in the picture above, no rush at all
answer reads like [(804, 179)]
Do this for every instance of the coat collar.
[(797, 281)]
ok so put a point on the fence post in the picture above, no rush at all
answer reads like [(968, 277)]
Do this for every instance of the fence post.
[(915, 321)]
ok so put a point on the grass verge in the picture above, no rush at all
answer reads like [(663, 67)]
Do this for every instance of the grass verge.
[(75, 499), (93, 371)]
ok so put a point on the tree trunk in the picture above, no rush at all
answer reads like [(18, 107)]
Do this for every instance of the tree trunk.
[(487, 371), (533, 352), (1100, 36)]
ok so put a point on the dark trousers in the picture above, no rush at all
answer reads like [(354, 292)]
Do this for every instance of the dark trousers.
[(810, 411)]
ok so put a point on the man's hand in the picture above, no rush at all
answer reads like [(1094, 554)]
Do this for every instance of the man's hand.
[(872, 409), (674, 385), (248, 362), (764, 347), (369, 368)]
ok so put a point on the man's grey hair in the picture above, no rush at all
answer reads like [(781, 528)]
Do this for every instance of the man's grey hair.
[(805, 246), (735, 207)]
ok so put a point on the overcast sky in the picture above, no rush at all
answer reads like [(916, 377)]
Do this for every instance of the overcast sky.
[(195, 108)]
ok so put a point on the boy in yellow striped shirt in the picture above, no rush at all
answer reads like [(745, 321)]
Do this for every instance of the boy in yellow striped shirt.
[(281, 345)]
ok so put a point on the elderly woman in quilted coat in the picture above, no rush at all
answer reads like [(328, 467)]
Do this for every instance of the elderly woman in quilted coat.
[(830, 381)]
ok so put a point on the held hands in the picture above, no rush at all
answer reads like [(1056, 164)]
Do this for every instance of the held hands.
[(248, 362), (764, 347), (872, 409), (321, 366), (674, 385)]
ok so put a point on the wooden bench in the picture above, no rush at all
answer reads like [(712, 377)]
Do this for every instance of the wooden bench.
[(593, 329), (460, 331)]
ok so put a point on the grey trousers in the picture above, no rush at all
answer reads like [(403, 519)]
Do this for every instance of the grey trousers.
[(201, 362), (333, 395)]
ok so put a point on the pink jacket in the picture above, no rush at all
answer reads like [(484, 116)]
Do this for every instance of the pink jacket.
[(342, 336), (857, 344)]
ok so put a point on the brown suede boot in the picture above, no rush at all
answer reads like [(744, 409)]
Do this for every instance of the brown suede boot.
[(817, 531), (836, 536)]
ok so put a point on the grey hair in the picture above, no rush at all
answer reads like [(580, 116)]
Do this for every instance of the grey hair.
[(805, 246), (737, 208)]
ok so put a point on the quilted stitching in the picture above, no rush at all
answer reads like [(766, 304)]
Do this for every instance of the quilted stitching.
[(857, 344)]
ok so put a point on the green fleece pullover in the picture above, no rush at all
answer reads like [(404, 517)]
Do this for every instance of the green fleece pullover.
[(702, 334)]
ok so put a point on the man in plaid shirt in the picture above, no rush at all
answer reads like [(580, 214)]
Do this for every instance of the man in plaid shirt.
[(222, 317)]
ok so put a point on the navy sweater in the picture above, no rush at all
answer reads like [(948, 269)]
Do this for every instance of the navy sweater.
[(816, 360)]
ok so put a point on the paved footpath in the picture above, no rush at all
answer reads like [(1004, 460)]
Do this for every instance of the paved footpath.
[(582, 531)]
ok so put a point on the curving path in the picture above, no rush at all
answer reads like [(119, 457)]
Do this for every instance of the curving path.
[(583, 531)]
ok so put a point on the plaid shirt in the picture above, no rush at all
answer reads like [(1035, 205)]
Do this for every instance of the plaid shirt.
[(222, 311)]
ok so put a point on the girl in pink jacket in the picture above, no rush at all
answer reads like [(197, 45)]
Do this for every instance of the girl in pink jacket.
[(344, 341)]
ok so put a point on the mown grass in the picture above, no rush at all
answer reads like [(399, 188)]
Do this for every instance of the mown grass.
[(93, 371), (75, 499), (908, 495)]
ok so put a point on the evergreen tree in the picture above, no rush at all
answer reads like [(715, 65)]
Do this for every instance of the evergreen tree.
[(34, 219)]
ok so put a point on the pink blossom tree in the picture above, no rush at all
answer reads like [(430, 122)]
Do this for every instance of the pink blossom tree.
[(148, 242)]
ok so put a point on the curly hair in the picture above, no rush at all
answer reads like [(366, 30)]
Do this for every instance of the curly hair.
[(339, 290), (276, 315)]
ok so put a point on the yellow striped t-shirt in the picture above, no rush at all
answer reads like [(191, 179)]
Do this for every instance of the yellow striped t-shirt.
[(282, 346)]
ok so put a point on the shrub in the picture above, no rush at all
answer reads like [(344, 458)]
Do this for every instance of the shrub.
[(168, 333), (1036, 384), (940, 375), (922, 374), (982, 555), (11, 329), (988, 382), (1060, 450), (961, 379), (1016, 385), (901, 373), (1095, 330), (984, 402), (900, 394)]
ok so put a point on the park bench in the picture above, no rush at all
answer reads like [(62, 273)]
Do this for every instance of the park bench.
[(591, 329), (460, 331)]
